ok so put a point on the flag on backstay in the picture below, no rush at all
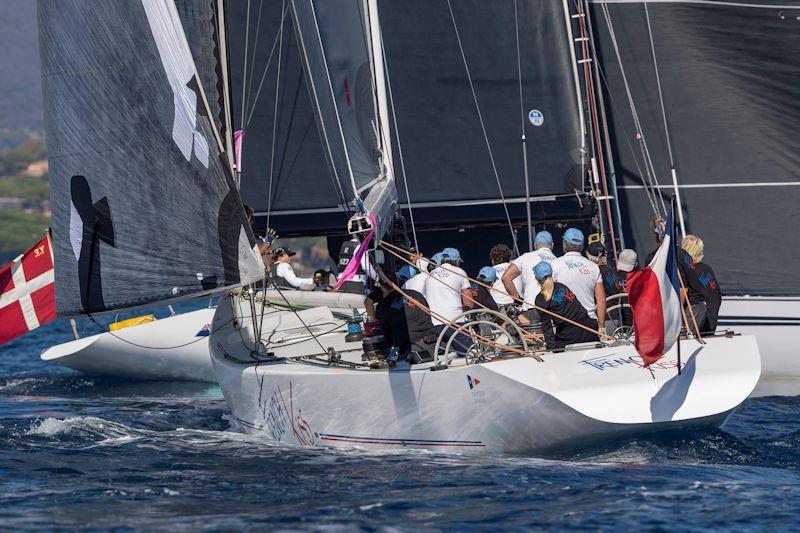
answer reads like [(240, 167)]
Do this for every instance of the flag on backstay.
[(654, 297), (27, 292)]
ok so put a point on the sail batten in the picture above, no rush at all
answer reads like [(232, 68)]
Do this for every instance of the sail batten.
[(144, 205)]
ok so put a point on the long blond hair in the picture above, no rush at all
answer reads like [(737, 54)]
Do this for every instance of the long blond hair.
[(547, 287), (693, 245)]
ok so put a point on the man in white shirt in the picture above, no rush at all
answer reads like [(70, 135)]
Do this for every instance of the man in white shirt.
[(448, 293), (581, 276), (522, 267), (411, 279), (282, 274), (500, 255)]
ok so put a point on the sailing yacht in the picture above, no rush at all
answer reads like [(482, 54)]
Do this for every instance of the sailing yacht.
[(295, 375)]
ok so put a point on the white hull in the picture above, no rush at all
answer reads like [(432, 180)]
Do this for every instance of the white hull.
[(775, 322), (135, 352), (515, 405)]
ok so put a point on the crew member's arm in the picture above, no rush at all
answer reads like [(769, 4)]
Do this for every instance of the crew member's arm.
[(467, 300), (548, 328), (509, 276), (288, 274), (600, 298), (369, 306)]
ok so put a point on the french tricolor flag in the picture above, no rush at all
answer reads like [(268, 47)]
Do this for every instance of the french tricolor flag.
[(654, 296)]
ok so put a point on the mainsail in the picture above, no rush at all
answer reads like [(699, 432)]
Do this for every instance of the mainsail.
[(727, 124), (449, 170), (144, 205)]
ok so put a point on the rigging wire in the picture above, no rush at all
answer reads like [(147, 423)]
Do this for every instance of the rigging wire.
[(637, 124), (664, 116), (275, 118), (255, 49), (399, 146), (252, 106), (246, 49), (323, 132), (483, 127), (522, 133)]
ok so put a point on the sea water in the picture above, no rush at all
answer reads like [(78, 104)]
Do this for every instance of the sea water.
[(78, 450)]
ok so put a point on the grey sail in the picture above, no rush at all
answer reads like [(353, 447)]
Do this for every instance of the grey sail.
[(337, 50), (199, 19), (450, 175), (730, 79), (144, 206), (285, 167)]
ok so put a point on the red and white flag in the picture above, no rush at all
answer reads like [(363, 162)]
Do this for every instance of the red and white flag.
[(27, 292), (654, 296)]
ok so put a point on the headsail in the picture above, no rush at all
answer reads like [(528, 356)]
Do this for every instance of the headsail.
[(342, 59), (144, 206), (729, 78)]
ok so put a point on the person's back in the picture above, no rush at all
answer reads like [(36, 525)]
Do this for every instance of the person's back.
[(542, 251), (581, 276), (390, 312), (702, 288), (559, 328), (418, 321), (416, 283), (499, 292), (443, 292)]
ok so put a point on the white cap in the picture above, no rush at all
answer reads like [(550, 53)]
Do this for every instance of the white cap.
[(627, 260)]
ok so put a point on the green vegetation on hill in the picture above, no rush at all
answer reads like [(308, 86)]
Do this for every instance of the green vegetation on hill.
[(20, 230), (14, 161)]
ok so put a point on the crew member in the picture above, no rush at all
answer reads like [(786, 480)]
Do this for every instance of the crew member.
[(581, 276), (448, 293), (358, 283), (626, 263), (282, 274), (404, 323), (480, 294), (500, 256), (702, 288), (596, 253), (658, 228), (523, 266), (560, 300), (417, 281)]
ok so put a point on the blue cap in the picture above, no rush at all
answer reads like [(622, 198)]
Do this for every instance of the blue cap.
[(544, 238), (542, 270), (488, 274), (451, 254), (574, 236), (437, 258), (407, 272)]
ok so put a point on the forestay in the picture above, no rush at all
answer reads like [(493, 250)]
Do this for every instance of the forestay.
[(144, 206), (730, 79), (337, 47)]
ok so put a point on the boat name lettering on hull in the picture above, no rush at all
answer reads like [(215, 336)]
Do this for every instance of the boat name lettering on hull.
[(610, 361)]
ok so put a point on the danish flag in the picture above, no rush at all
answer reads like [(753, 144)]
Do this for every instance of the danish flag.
[(27, 292)]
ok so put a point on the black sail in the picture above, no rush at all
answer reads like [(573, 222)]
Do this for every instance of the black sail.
[(144, 207), (730, 79), (450, 176)]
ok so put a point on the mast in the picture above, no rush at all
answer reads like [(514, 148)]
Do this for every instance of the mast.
[(376, 50), (222, 45)]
